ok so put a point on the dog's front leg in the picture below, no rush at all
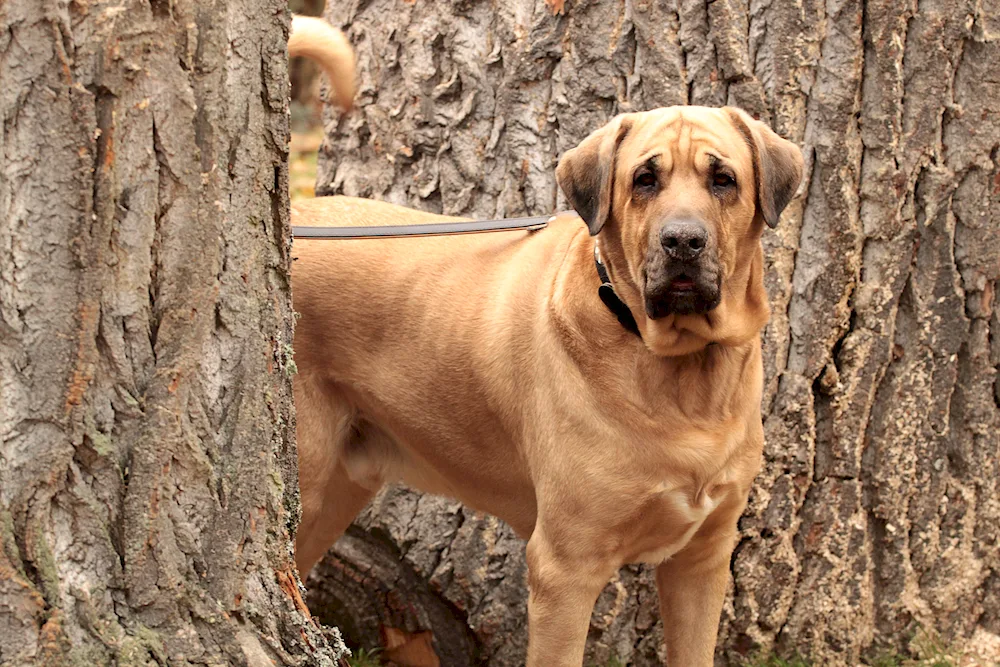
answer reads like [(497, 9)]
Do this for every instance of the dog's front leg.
[(564, 581), (692, 587)]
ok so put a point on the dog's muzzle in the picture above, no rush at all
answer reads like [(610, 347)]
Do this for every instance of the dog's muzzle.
[(682, 274)]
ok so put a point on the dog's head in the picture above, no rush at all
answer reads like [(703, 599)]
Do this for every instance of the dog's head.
[(679, 198)]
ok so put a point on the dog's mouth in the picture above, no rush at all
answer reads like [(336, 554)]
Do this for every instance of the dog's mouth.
[(682, 283), (687, 292)]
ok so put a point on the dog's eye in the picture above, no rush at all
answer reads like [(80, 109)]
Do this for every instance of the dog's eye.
[(723, 180), (644, 180)]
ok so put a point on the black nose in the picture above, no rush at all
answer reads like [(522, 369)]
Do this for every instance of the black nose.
[(684, 239)]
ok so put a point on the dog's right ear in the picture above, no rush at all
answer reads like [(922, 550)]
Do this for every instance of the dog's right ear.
[(586, 173)]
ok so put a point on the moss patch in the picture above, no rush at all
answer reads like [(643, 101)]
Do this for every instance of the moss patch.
[(141, 647)]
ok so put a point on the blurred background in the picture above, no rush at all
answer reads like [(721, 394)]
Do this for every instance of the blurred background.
[(306, 107)]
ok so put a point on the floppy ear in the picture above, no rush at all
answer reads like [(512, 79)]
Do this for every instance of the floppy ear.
[(777, 165), (586, 173)]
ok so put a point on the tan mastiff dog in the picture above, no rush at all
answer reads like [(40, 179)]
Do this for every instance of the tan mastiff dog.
[(486, 368)]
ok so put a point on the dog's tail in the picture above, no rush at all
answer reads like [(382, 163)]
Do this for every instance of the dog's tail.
[(319, 41)]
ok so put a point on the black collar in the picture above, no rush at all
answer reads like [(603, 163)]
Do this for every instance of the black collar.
[(610, 299)]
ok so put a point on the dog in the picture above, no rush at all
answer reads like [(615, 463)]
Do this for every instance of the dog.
[(487, 368)]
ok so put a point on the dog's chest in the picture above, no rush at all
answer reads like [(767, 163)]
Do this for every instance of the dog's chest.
[(672, 519), (700, 476)]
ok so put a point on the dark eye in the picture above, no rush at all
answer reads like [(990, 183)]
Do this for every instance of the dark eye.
[(723, 180), (644, 180)]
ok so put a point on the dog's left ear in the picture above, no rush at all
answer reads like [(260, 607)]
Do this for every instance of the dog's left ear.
[(777, 165), (586, 173)]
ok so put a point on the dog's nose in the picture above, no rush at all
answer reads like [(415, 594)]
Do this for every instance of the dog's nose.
[(684, 239)]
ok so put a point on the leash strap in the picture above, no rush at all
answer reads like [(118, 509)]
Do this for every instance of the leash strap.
[(431, 229), (610, 299)]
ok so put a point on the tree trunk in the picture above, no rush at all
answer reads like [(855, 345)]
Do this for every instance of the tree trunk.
[(877, 511), (147, 459)]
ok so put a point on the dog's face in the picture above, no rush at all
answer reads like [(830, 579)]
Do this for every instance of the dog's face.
[(679, 197)]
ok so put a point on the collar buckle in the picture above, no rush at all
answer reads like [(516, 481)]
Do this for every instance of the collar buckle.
[(607, 293)]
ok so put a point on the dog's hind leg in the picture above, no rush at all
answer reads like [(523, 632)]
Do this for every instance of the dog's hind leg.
[(338, 469), (326, 517)]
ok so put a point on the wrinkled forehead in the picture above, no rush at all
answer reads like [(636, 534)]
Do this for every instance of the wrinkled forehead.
[(679, 136)]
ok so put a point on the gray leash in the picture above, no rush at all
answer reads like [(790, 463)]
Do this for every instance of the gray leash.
[(431, 229)]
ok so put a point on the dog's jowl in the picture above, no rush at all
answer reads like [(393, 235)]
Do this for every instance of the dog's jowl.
[(488, 368)]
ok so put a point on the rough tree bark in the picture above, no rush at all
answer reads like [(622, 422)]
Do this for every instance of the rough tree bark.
[(878, 507), (147, 461)]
